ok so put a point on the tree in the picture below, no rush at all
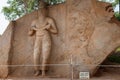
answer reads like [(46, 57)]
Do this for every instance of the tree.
[(18, 8)]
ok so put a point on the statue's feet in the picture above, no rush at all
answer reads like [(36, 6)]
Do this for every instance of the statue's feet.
[(37, 73), (43, 74)]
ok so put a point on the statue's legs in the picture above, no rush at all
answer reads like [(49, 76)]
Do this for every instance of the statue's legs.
[(37, 53), (46, 49)]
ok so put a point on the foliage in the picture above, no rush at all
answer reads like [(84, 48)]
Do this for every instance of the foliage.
[(15, 10), (115, 2), (52, 2), (117, 50), (114, 58), (18, 8)]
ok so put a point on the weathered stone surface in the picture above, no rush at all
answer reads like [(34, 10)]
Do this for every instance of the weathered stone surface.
[(23, 45), (90, 33), (5, 46), (84, 31)]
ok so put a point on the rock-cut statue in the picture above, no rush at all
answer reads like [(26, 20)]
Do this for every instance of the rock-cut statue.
[(42, 28)]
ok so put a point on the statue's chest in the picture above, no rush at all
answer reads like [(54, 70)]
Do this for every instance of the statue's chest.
[(41, 24)]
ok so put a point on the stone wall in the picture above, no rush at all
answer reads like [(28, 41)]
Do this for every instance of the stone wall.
[(85, 33)]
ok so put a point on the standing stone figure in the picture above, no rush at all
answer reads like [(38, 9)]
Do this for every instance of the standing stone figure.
[(42, 27)]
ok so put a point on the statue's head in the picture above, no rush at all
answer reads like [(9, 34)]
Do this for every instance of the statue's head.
[(42, 9)]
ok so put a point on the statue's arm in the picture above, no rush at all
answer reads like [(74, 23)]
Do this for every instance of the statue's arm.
[(53, 27), (32, 29)]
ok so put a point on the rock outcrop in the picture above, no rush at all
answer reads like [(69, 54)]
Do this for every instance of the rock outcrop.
[(85, 32), (5, 49)]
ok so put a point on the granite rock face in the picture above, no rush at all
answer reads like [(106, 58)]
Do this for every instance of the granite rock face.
[(5, 49), (85, 33)]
